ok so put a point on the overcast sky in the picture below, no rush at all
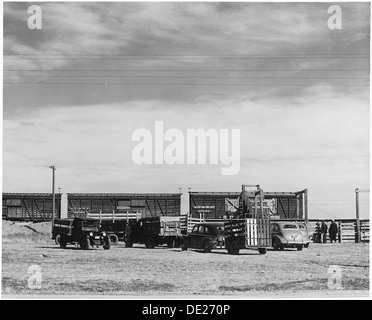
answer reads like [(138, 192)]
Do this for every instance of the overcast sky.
[(76, 90)]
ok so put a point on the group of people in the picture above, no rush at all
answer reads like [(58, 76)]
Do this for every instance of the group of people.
[(323, 229)]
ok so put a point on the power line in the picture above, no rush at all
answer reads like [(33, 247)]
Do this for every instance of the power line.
[(178, 58), (186, 84), (183, 54), (327, 213), (186, 77), (152, 56), (188, 70)]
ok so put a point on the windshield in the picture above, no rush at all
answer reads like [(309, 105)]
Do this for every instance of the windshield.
[(289, 226), (90, 224)]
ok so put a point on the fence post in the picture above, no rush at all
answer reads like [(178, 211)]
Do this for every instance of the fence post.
[(339, 232)]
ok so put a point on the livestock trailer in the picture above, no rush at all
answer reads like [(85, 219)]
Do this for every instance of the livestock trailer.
[(156, 231), (30, 206)]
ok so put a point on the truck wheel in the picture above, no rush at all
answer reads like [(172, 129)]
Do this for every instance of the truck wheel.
[(306, 245), (107, 243), (57, 239), (262, 250), (184, 245), (63, 242), (171, 243), (234, 249), (177, 243), (299, 248), (150, 243), (129, 244), (114, 239), (85, 244)]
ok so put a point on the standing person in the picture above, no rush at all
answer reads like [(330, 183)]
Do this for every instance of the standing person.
[(324, 229), (333, 230), (318, 233)]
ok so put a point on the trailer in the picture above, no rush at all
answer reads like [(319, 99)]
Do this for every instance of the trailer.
[(156, 231), (115, 224), (252, 230)]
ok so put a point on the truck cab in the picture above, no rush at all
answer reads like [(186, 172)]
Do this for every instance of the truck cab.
[(83, 231)]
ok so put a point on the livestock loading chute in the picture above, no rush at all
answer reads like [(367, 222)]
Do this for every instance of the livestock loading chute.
[(151, 219), (208, 206), (250, 229)]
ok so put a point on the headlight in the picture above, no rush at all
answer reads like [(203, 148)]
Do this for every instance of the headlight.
[(104, 234), (91, 234)]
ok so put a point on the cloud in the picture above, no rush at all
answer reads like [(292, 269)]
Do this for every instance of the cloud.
[(322, 144)]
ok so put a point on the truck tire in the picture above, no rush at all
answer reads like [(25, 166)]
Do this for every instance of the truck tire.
[(63, 242), (57, 239), (171, 243), (107, 243), (114, 239), (177, 243), (129, 244), (85, 243), (233, 249), (262, 250), (184, 245), (150, 243), (299, 247)]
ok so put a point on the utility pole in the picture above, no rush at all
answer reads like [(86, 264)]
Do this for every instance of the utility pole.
[(357, 215), (306, 202), (53, 194)]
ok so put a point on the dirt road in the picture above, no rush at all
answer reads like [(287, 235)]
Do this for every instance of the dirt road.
[(172, 273)]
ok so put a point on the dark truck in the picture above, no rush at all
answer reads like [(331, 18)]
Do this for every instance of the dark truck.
[(83, 231), (115, 229), (252, 230), (156, 231), (247, 234)]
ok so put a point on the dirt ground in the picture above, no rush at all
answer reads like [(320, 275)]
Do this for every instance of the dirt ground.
[(171, 273)]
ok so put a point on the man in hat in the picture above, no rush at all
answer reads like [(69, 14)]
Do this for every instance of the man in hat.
[(333, 230), (323, 230)]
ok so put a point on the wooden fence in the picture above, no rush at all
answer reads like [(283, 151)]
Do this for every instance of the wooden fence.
[(347, 231), (347, 228)]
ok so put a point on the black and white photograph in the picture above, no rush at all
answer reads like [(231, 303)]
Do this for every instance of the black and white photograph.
[(185, 150)]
